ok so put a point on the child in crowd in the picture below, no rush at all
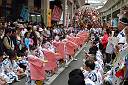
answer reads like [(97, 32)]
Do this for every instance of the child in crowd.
[(27, 40)]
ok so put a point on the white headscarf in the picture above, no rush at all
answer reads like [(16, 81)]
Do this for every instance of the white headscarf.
[(57, 37)]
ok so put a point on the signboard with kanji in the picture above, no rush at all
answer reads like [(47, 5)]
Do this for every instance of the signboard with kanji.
[(56, 14)]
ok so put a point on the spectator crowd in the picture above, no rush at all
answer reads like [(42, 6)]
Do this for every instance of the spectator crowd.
[(34, 51), (106, 62)]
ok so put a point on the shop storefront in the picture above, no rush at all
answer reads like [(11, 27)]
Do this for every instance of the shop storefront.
[(35, 17)]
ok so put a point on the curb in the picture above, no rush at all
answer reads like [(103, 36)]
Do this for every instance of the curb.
[(51, 79)]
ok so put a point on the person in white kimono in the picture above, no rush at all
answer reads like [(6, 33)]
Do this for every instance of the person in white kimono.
[(3, 77), (108, 78), (92, 74), (98, 68), (119, 46), (40, 52), (99, 58), (50, 47), (109, 49), (122, 25), (89, 82), (11, 68)]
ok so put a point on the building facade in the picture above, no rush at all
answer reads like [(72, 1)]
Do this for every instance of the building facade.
[(37, 10)]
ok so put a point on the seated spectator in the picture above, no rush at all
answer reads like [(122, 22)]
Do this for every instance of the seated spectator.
[(3, 77), (12, 70)]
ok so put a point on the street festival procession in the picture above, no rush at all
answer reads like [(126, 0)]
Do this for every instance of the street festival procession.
[(63, 42)]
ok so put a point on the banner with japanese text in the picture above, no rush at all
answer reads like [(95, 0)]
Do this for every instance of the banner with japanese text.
[(56, 14)]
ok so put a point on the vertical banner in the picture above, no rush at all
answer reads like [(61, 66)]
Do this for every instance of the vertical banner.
[(24, 13), (56, 14), (49, 17)]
